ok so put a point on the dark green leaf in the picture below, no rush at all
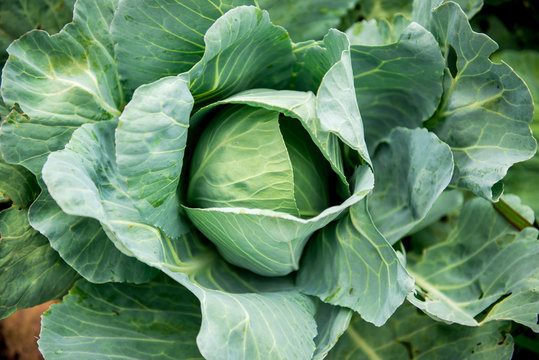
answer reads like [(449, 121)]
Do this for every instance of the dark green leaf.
[(161, 37), (31, 272), (60, 83), (244, 50), (307, 19), (82, 243), (158, 320), (412, 335), (18, 184), (20, 16)]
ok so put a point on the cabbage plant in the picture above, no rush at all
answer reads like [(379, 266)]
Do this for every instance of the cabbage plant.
[(194, 181)]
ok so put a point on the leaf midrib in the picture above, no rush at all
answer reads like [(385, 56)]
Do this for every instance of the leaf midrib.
[(362, 344), (430, 288)]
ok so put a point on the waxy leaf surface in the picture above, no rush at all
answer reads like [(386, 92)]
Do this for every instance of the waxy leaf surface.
[(244, 50), (60, 82), (20, 16), (82, 243), (413, 167), (399, 84), (486, 108), (157, 320), (410, 334), (150, 145), (349, 263), (482, 259), (160, 38), (31, 271)]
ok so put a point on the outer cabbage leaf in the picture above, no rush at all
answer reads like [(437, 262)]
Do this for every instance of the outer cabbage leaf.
[(25, 256), (386, 9), (82, 243), (150, 144), (377, 32), (157, 320), (331, 323), (522, 177), (409, 334), (17, 184), (18, 17), (351, 264), (231, 301), (448, 201), (397, 84), (162, 37), (413, 167), (244, 50), (30, 271), (486, 108), (236, 323), (422, 9), (84, 180), (521, 306), (482, 259), (60, 82), (325, 67), (307, 19), (526, 64)]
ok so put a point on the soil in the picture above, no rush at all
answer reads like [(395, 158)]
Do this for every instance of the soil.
[(19, 334)]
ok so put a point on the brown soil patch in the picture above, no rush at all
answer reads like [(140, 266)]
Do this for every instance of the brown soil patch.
[(19, 334)]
